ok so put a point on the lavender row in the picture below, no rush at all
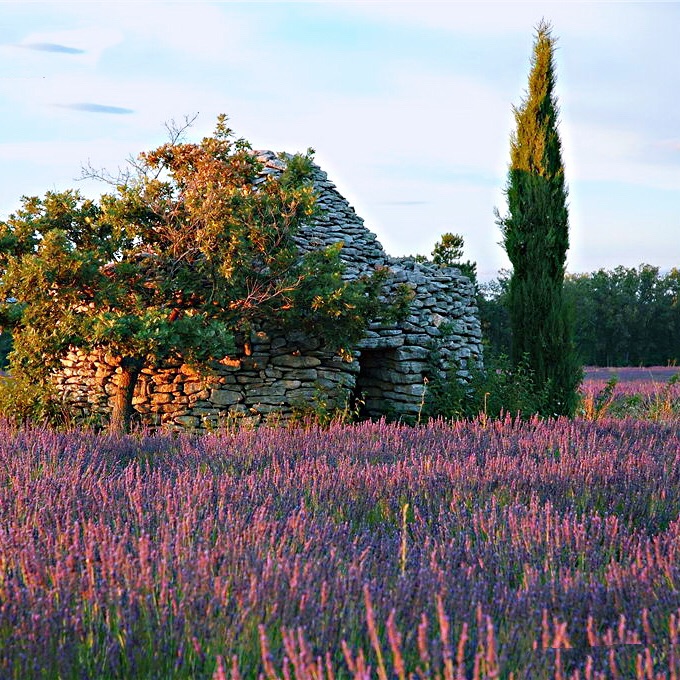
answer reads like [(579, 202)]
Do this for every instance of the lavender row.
[(163, 556), (648, 389), (648, 399)]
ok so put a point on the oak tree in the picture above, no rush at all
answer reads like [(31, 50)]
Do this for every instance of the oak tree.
[(183, 258)]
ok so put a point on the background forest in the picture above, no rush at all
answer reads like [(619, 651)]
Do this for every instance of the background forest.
[(622, 317)]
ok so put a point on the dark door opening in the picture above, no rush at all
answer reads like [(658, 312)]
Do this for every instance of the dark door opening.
[(372, 382)]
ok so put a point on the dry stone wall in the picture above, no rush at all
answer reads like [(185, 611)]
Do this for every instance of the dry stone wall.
[(288, 374)]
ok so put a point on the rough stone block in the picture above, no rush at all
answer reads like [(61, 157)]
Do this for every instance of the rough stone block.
[(161, 398), (303, 374), (306, 394), (161, 378), (225, 397), (187, 421), (412, 352), (250, 378), (326, 384), (410, 368), (292, 361), (172, 408), (193, 387), (418, 339), (289, 384), (415, 390), (203, 395), (380, 342), (275, 390), (170, 387)]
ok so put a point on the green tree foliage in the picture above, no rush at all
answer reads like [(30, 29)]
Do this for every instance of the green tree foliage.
[(536, 238), (448, 253), (626, 316), (622, 317), (492, 302), (182, 259)]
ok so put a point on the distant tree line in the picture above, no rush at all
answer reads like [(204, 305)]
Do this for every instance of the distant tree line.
[(622, 317)]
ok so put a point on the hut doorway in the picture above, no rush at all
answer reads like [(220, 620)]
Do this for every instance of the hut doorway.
[(373, 383)]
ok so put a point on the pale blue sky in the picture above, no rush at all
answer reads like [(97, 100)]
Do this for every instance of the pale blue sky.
[(408, 105)]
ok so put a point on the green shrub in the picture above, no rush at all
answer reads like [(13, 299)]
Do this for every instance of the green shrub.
[(23, 400), (323, 410), (493, 391), (502, 388), (446, 398)]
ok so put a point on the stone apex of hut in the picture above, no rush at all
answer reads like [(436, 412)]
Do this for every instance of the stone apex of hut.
[(337, 221)]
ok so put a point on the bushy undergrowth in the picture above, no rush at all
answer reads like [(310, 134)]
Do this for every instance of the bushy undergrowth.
[(24, 400), (494, 391), (501, 389), (475, 549)]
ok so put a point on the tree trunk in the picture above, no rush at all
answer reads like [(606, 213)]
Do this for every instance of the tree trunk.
[(122, 401)]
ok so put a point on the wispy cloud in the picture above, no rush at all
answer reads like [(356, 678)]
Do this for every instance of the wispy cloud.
[(85, 44), (51, 47), (97, 108), (403, 202)]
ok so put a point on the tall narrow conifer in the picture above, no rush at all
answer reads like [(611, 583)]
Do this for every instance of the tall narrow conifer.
[(536, 237)]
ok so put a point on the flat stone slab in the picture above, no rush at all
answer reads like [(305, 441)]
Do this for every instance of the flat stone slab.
[(292, 361)]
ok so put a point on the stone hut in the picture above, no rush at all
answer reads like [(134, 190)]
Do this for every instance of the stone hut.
[(386, 373)]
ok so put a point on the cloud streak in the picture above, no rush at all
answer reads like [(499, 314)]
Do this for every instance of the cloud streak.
[(52, 47), (98, 108), (403, 202)]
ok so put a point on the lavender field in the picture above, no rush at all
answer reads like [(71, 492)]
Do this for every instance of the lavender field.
[(465, 550), (637, 375), (649, 393)]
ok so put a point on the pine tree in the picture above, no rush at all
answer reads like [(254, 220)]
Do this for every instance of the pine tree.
[(536, 238)]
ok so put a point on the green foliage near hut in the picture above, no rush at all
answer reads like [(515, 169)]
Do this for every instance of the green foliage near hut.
[(189, 252)]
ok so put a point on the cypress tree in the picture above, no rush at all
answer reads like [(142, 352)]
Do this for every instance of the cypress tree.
[(536, 238)]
